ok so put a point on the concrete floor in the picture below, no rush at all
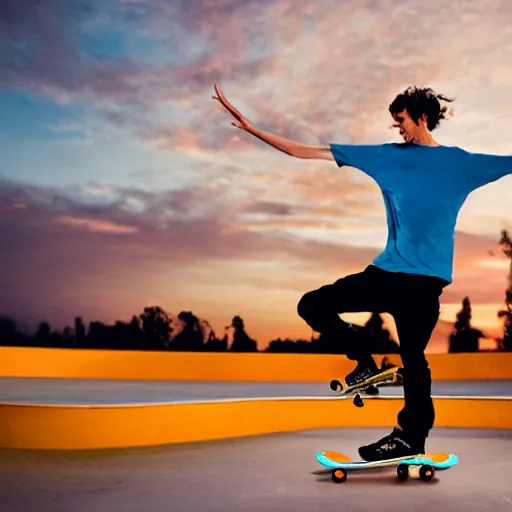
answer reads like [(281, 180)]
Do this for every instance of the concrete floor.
[(271, 473), (87, 391)]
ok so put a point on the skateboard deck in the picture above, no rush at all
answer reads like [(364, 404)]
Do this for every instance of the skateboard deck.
[(369, 387), (339, 464)]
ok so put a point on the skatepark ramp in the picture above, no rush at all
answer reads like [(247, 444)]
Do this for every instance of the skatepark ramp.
[(70, 399)]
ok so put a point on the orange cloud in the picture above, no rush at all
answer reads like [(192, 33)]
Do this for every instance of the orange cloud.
[(189, 143), (97, 226)]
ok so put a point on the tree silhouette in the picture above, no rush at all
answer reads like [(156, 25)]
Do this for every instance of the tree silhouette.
[(241, 341), (68, 337), (153, 329), (43, 334), (134, 333), (211, 342), (124, 335), (464, 338), (191, 336), (289, 346), (379, 339), (214, 344), (97, 337), (157, 329), (79, 332), (10, 335), (506, 314)]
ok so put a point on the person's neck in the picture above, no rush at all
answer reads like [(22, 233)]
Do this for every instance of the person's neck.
[(425, 139)]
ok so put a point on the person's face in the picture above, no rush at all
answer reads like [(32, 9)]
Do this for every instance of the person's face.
[(408, 129)]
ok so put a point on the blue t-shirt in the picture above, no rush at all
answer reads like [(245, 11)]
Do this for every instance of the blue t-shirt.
[(424, 188)]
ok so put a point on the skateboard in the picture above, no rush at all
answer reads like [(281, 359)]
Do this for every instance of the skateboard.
[(422, 465), (370, 387)]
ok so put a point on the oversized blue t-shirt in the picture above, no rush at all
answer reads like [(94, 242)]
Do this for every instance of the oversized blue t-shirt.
[(423, 188)]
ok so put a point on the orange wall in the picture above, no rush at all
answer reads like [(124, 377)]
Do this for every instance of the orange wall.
[(110, 364), (81, 427)]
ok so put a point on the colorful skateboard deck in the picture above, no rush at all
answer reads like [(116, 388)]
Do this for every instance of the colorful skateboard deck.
[(370, 386), (339, 464)]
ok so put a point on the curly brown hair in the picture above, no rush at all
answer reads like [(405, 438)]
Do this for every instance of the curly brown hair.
[(422, 100)]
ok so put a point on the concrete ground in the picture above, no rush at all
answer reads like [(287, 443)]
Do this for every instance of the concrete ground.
[(271, 473), (88, 391)]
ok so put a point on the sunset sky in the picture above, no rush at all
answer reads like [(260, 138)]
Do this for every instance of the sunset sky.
[(123, 183)]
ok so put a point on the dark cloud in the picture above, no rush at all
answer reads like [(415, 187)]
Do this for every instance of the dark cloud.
[(40, 51), (40, 48), (270, 208), (55, 247)]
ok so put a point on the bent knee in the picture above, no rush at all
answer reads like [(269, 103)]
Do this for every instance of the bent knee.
[(307, 305)]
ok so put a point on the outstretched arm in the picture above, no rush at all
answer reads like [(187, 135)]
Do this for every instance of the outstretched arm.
[(485, 169), (287, 146)]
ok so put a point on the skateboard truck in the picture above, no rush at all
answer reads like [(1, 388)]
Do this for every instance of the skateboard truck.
[(426, 472)]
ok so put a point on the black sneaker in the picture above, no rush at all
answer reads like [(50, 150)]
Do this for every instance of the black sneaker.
[(394, 445), (363, 371)]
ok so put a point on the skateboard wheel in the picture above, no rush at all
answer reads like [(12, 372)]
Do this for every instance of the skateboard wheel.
[(427, 472), (372, 390), (402, 471), (339, 475), (358, 401), (335, 385)]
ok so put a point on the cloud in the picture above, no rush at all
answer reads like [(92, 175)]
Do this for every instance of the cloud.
[(314, 72), (199, 143), (41, 54), (270, 208), (62, 256), (176, 224), (174, 202), (473, 276), (94, 225)]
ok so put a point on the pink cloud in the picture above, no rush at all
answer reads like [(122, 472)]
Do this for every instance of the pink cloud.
[(66, 263), (94, 225), (179, 140)]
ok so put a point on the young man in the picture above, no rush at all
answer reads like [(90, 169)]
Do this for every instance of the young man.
[(424, 185)]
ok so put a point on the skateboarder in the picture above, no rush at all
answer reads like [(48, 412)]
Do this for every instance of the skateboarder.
[(423, 185)]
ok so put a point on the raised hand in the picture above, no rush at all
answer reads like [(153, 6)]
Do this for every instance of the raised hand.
[(290, 147), (240, 121)]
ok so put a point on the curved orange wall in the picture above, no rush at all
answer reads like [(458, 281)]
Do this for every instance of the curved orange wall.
[(85, 427), (110, 364)]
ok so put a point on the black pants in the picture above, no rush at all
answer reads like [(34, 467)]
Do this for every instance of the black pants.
[(413, 301)]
